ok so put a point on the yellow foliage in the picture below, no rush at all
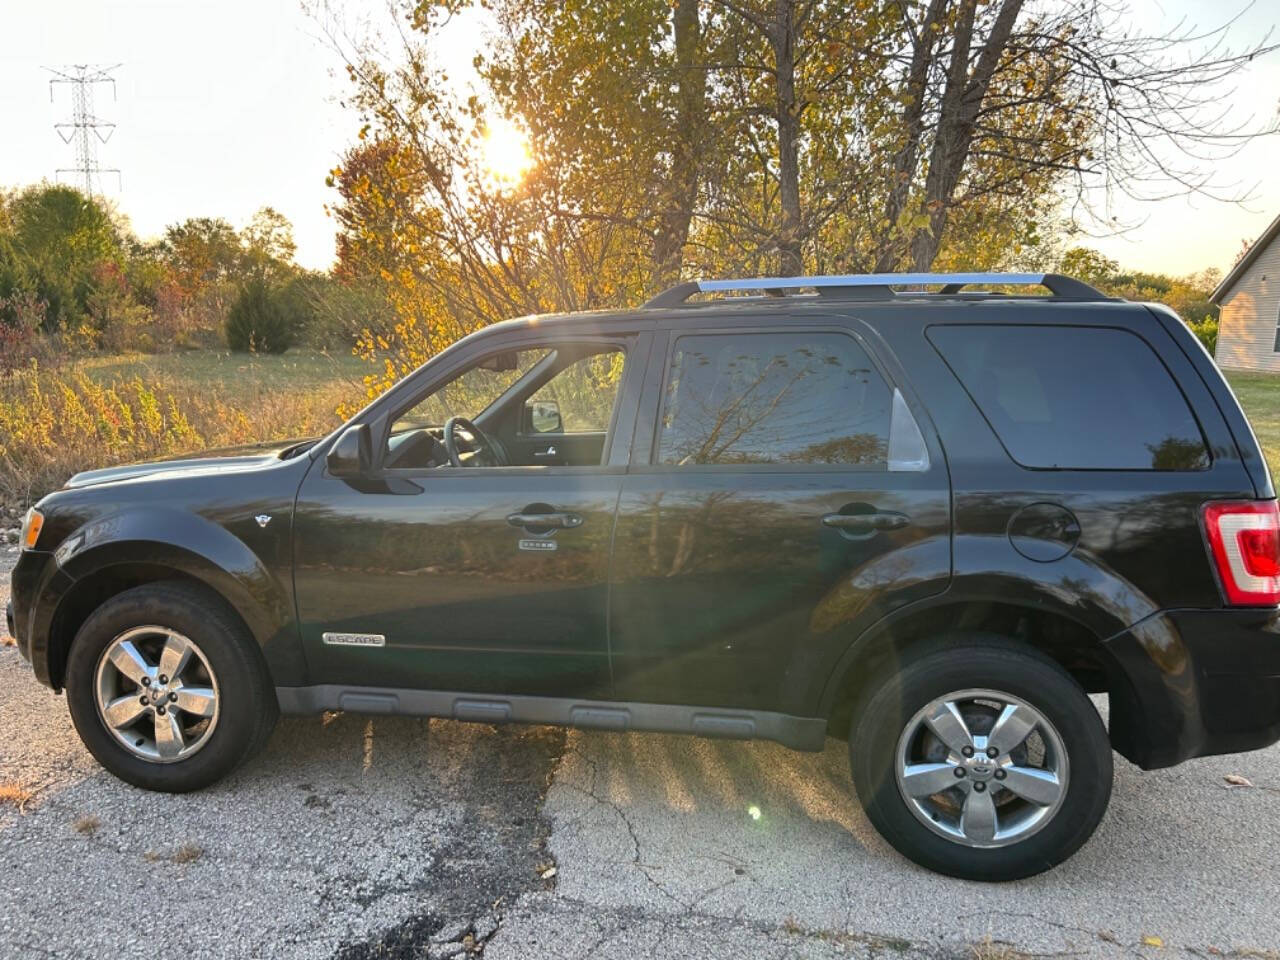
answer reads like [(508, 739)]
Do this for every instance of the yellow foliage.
[(54, 423)]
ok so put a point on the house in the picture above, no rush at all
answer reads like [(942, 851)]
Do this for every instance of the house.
[(1249, 328)]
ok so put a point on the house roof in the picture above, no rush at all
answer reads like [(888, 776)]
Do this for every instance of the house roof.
[(1255, 251)]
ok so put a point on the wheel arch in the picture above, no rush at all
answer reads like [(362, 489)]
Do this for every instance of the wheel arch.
[(91, 591), (1077, 647), (129, 550)]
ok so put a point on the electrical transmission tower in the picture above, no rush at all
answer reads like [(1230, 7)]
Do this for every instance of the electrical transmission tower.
[(84, 127)]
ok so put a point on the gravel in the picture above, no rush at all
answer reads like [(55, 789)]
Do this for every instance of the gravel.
[(357, 838)]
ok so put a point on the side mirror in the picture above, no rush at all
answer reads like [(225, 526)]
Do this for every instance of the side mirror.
[(352, 454), (542, 416)]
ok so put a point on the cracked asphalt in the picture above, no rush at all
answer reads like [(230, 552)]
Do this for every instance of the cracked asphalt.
[(352, 838)]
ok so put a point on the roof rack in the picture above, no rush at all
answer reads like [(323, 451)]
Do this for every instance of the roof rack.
[(878, 286)]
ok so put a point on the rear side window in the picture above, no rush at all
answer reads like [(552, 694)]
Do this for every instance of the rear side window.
[(1085, 398), (785, 398)]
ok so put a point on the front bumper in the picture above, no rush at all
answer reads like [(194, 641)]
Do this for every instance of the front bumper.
[(36, 585), (1196, 683)]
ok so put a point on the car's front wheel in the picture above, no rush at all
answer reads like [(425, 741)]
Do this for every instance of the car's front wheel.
[(166, 689), (982, 759)]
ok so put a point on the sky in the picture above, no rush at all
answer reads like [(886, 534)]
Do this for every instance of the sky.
[(224, 107)]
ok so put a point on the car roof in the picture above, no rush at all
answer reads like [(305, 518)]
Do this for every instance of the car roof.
[(728, 310), (826, 295)]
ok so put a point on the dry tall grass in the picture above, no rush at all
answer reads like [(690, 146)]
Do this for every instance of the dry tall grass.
[(54, 423)]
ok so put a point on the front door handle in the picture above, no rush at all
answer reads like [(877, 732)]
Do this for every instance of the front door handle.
[(549, 452), (866, 522), (561, 521)]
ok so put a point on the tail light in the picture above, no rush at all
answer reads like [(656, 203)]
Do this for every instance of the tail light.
[(1244, 538)]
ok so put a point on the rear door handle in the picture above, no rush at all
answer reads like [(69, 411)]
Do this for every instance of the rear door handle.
[(563, 521), (866, 522)]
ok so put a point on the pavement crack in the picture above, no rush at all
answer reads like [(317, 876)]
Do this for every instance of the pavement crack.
[(1099, 935), (637, 859)]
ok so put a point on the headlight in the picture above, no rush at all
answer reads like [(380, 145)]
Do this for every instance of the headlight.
[(31, 527)]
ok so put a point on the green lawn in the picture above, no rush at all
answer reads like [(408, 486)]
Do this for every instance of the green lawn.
[(1259, 394), (236, 377)]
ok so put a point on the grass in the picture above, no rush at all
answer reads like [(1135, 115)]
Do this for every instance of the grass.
[(15, 795), (97, 411), (1259, 394), (187, 853), (88, 825), (238, 378)]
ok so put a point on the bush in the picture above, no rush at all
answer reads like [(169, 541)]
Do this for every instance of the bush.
[(339, 312), (1206, 331), (52, 425), (259, 320)]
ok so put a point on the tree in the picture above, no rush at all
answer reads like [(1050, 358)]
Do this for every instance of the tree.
[(202, 251), (752, 136), (258, 320), (59, 237), (267, 244)]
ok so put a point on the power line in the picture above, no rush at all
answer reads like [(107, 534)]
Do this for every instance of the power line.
[(84, 127)]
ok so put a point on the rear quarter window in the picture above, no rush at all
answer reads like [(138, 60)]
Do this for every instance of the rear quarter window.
[(1083, 398)]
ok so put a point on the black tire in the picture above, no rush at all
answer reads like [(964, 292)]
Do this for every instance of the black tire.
[(247, 703), (988, 663)]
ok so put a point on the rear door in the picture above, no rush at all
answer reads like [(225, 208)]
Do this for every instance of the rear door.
[(784, 492)]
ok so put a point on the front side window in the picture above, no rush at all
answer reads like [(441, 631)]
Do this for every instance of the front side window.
[(471, 392), (580, 398), (506, 410), (1085, 398), (773, 398)]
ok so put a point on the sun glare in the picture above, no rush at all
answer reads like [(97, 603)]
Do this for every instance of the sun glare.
[(506, 152)]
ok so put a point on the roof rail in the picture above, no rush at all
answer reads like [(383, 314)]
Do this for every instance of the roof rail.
[(878, 286)]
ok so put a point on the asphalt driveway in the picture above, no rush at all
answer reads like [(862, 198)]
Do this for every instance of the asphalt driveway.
[(351, 837)]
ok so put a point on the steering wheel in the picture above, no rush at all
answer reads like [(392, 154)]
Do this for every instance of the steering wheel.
[(485, 451)]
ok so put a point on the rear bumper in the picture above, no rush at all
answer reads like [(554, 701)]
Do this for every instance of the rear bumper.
[(1196, 683)]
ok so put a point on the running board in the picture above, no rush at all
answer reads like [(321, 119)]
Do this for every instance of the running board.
[(799, 733)]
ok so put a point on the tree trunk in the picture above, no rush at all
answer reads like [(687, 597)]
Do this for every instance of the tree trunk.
[(681, 194), (790, 234), (902, 172), (961, 100)]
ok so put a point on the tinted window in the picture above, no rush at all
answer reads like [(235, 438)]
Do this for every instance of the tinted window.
[(583, 394), (472, 391), (773, 398), (1075, 397)]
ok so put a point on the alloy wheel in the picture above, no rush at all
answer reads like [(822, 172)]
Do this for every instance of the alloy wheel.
[(156, 694), (982, 768)]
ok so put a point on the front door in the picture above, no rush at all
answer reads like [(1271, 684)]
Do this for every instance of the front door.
[(489, 576), (786, 499)]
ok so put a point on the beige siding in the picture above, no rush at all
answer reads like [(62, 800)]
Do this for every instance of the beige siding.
[(1250, 309)]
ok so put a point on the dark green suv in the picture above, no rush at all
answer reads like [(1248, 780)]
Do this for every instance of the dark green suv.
[(892, 508)]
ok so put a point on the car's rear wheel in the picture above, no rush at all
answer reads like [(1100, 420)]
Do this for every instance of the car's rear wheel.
[(166, 688), (982, 759)]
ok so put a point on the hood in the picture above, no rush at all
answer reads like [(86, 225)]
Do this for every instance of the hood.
[(226, 460)]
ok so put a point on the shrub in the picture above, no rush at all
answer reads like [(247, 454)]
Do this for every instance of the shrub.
[(339, 312), (21, 317), (49, 422), (259, 320), (1206, 331)]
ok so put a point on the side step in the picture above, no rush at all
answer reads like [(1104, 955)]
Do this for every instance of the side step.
[(799, 733)]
